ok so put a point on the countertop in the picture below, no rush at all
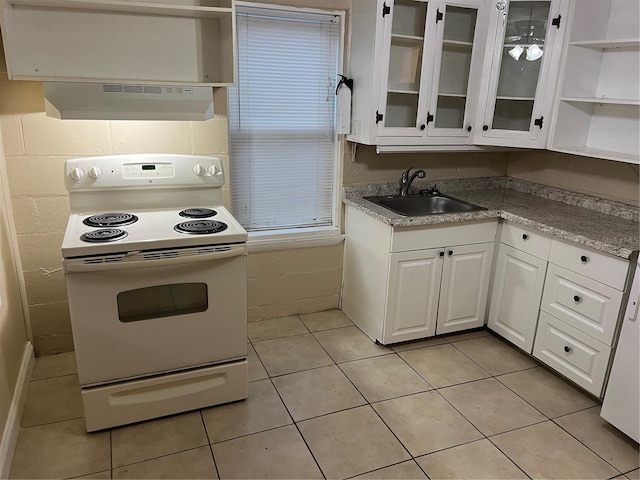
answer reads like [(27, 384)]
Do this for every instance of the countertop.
[(608, 233)]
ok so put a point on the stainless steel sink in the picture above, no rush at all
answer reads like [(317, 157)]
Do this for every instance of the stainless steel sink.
[(418, 205)]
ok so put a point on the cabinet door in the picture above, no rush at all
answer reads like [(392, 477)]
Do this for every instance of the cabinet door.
[(465, 287), (460, 35), (412, 305), (405, 69), (517, 290), (521, 71)]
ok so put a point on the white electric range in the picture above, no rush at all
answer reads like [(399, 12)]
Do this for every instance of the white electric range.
[(155, 267)]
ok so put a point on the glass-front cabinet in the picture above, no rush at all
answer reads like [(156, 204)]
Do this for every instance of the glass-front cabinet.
[(520, 75), (421, 87)]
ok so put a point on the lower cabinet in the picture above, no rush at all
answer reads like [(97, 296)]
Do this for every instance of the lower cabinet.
[(408, 283), (517, 290)]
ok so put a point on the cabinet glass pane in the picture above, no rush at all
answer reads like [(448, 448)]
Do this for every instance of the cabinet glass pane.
[(405, 64), (522, 53), (513, 114), (450, 112), (402, 110), (409, 18), (455, 64)]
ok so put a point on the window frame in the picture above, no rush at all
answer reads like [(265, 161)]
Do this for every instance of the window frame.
[(315, 236)]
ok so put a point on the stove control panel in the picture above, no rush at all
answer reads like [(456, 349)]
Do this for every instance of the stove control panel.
[(148, 170)]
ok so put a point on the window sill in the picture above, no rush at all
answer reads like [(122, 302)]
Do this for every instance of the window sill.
[(287, 239)]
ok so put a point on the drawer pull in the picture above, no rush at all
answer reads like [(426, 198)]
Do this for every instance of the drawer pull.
[(450, 252), (567, 348), (525, 236), (442, 254), (576, 298), (583, 259)]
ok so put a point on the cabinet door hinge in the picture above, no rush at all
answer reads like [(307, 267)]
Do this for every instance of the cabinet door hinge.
[(386, 9), (556, 21), (379, 117), (439, 15), (429, 118), (538, 121)]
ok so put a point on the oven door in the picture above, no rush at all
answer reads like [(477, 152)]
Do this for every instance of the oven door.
[(146, 313)]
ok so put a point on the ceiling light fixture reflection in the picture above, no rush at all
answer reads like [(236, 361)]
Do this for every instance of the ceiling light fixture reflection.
[(533, 52)]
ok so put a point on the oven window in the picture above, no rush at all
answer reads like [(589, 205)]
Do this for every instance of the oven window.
[(162, 301)]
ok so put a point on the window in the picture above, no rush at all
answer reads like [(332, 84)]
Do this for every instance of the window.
[(283, 144)]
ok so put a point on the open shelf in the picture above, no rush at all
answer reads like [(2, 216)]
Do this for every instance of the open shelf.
[(599, 153), (607, 44), (613, 101)]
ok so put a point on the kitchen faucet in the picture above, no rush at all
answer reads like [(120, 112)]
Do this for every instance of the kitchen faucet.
[(406, 180)]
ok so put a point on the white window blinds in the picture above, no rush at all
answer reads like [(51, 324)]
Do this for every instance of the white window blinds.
[(282, 117)]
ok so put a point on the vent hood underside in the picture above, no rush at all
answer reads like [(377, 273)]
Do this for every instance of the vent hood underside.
[(114, 101)]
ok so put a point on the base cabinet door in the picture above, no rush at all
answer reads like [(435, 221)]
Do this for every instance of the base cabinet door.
[(465, 287), (414, 285), (517, 291)]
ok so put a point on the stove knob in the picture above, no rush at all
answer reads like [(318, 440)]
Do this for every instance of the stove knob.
[(199, 170), (95, 173), (214, 171), (77, 174)]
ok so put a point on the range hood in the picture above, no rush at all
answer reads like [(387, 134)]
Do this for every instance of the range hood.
[(117, 101)]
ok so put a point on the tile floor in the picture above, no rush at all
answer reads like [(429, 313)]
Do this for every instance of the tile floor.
[(326, 402)]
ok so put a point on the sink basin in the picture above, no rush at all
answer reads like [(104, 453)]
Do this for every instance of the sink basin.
[(418, 205)]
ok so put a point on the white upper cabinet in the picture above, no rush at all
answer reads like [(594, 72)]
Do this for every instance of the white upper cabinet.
[(520, 72), (413, 63), (174, 42), (597, 111)]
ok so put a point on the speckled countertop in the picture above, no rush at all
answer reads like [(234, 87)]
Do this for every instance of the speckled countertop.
[(608, 233)]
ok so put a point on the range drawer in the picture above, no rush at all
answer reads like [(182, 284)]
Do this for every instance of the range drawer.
[(572, 353), (526, 240), (605, 268), (591, 307)]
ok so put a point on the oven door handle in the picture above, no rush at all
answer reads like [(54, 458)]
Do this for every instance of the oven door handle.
[(74, 266)]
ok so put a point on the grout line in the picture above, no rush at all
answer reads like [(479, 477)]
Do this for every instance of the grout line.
[(509, 458)]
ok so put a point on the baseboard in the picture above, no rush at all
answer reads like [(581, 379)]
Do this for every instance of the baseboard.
[(12, 425)]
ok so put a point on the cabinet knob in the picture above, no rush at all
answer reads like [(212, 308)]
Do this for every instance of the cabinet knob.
[(485, 127), (469, 128), (576, 298), (584, 259), (423, 126), (567, 348), (525, 236), (442, 254), (450, 252)]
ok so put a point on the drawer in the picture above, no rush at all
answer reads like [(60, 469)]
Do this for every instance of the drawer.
[(577, 356), (605, 268), (526, 240), (591, 307)]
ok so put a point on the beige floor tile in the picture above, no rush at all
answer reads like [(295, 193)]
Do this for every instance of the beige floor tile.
[(106, 475), (51, 366), (547, 392), (633, 475), (276, 328), (349, 343), (546, 451), (385, 377), (291, 354), (351, 442), (256, 370), (494, 355), (429, 342), (317, 392), (279, 453), (262, 410), (52, 400), (459, 337), (156, 438), (603, 438), (409, 470), (196, 463), (491, 406), (473, 460), (60, 450), (443, 365), (425, 423), (317, 322)]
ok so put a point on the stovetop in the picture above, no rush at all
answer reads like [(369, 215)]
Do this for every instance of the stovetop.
[(99, 233)]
